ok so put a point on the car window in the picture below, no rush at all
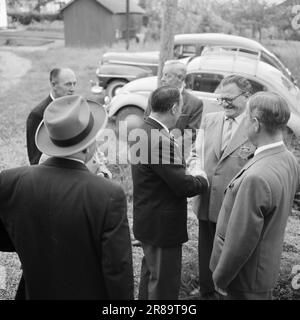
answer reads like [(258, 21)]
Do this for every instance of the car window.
[(184, 51), (206, 82), (256, 86), (188, 50)]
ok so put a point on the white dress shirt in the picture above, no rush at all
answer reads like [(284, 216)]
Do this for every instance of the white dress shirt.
[(268, 146), (159, 123)]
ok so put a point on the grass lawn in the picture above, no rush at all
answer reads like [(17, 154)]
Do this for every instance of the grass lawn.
[(17, 102)]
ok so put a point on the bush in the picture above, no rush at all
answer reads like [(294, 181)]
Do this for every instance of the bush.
[(27, 18)]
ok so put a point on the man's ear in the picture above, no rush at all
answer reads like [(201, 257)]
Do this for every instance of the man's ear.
[(256, 125), (175, 108), (52, 84)]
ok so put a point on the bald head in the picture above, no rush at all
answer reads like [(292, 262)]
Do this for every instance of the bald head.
[(174, 73), (62, 81)]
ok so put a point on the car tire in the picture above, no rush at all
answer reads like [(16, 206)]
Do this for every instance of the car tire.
[(113, 86), (133, 116)]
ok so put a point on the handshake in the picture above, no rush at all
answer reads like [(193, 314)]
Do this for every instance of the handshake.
[(195, 169), (97, 165)]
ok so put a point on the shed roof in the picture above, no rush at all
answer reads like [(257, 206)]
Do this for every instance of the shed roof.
[(114, 6)]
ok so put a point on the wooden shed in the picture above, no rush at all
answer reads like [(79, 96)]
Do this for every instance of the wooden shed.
[(94, 23)]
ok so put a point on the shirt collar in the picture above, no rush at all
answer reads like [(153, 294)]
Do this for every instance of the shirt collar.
[(73, 159), (238, 119), (268, 146), (159, 123), (51, 95)]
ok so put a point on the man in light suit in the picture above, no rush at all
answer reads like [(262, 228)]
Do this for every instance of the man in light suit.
[(250, 230), (160, 190), (68, 226), (221, 150), (62, 83)]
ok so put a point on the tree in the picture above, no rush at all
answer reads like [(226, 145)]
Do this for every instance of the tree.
[(167, 34), (40, 3)]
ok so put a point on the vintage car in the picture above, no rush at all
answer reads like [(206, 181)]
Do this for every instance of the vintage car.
[(204, 74), (118, 68)]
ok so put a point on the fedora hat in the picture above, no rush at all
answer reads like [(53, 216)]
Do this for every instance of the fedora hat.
[(70, 125)]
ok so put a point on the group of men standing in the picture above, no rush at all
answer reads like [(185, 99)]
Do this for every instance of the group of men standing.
[(69, 226)]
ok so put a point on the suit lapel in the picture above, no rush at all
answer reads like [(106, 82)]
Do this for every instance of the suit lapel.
[(185, 100), (256, 158), (237, 140), (158, 126)]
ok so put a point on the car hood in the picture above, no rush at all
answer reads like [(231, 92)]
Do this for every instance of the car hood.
[(140, 85)]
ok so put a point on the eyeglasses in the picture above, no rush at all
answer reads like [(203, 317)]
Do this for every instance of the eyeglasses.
[(228, 100)]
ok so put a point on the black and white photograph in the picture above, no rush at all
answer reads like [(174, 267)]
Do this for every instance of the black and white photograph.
[(149, 151)]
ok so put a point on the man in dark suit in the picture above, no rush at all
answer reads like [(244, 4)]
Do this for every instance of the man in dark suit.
[(221, 150), (68, 225), (62, 82), (160, 191), (258, 201), (174, 74)]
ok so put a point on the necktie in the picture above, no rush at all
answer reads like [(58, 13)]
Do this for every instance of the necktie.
[(227, 132)]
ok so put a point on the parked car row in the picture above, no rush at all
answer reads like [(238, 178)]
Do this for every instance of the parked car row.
[(204, 74), (118, 68)]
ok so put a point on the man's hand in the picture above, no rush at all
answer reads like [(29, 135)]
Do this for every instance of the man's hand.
[(220, 291), (199, 172)]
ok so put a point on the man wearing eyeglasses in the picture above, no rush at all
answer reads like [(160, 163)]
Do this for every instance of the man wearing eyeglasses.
[(257, 203), (221, 150)]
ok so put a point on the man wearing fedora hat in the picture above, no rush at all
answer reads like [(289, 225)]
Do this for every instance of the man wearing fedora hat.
[(68, 225)]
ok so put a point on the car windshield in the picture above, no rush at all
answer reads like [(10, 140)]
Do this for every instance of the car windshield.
[(206, 82)]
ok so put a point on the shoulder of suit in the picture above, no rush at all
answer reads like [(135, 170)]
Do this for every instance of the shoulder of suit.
[(212, 116), (192, 97), (40, 108)]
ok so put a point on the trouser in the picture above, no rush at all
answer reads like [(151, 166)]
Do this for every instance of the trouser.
[(160, 273), (207, 230), (21, 291), (249, 296)]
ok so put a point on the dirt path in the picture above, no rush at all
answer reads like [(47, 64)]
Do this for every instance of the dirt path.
[(12, 69)]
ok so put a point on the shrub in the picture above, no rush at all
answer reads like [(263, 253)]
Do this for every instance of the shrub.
[(26, 18)]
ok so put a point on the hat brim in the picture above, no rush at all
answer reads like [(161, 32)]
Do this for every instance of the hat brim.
[(45, 144)]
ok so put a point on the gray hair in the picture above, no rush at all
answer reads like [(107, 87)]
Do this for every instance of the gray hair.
[(177, 67), (270, 109)]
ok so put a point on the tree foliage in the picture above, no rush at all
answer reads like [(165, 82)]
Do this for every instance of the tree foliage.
[(252, 18)]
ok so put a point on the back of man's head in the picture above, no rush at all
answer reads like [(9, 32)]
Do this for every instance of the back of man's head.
[(270, 109), (242, 83), (164, 98)]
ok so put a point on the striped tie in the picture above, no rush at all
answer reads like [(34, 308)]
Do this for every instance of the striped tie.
[(227, 133)]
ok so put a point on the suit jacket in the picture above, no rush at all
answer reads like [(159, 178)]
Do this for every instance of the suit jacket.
[(250, 230), (34, 119), (70, 230), (190, 119), (160, 191), (220, 168)]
